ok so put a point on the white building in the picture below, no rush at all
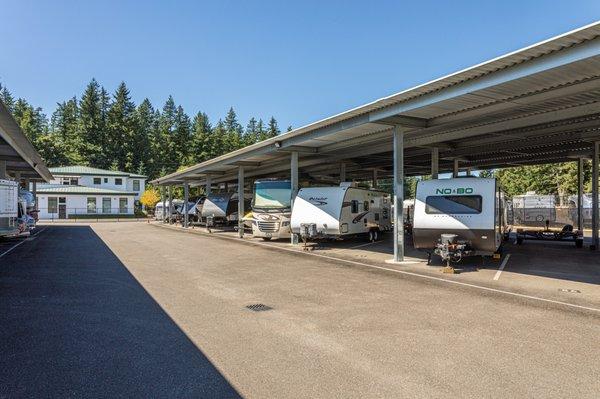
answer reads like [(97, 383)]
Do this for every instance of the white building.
[(81, 191)]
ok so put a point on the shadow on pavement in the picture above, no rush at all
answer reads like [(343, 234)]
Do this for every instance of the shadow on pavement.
[(75, 323)]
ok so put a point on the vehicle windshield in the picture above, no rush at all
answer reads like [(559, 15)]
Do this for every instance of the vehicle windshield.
[(272, 194)]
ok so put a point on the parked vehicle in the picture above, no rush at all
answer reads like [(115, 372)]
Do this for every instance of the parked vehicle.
[(534, 208), (9, 208), (158, 210), (459, 217), (271, 209), (222, 209), (335, 212)]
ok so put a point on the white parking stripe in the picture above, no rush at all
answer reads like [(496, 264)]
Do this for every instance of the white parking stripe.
[(19, 243), (361, 245), (497, 276)]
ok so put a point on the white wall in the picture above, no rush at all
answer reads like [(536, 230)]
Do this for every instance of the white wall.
[(107, 182), (77, 204)]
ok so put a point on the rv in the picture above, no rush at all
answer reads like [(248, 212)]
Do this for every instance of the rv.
[(221, 208), (534, 208), (459, 217), (271, 209), (9, 208), (335, 212), (158, 210)]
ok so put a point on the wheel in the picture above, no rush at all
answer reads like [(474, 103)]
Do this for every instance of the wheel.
[(375, 235), (266, 238), (371, 239), (578, 243), (519, 240)]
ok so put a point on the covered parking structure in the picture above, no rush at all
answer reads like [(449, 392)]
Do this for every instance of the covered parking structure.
[(540, 104), (18, 158)]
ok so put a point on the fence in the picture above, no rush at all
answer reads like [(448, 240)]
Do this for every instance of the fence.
[(61, 213)]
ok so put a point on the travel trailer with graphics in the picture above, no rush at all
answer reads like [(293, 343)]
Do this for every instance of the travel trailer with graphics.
[(459, 217), (334, 212), (221, 208), (271, 209)]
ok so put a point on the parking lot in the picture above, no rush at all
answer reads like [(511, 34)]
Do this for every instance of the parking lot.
[(130, 309)]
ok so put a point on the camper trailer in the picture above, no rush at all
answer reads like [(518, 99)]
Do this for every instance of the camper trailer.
[(9, 208), (221, 208), (459, 217), (158, 210), (271, 209), (334, 212), (532, 208)]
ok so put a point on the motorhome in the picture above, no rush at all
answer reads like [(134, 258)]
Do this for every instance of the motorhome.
[(271, 209), (459, 217), (335, 212), (9, 208)]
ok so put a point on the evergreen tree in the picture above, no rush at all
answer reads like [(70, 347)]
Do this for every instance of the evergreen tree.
[(7, 98), (251, 135), (121, 129), (182, 136), (233, 130), (142, 143), (201, 136), (91, 127), (65, 131), (166, 126), (273, 129)]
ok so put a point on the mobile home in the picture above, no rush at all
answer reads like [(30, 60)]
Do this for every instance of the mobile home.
[(271, 209), (334, 212)]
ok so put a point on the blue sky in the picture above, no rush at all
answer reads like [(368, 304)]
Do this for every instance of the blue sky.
[(298, 61)]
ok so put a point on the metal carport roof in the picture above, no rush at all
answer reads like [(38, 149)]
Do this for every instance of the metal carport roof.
[(18, 152), (536, 105)]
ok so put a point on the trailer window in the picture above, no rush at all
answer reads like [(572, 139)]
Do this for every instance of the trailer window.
[(354, 206), (453, 204)]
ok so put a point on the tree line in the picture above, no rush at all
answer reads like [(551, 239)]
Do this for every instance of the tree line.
[(112, 132)]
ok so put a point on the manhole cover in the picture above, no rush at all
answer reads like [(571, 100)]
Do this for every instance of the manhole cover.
[(259, 307), (570, 290)]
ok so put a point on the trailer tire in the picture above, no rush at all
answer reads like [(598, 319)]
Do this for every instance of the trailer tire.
[(578, 243), (375, 235), (519, 240), (371, 236), (266, 238)]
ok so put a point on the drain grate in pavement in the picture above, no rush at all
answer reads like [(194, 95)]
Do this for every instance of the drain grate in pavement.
[(259, 307), (570, 290)]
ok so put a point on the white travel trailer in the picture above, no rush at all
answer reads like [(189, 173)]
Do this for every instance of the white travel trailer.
[(158, 210), (459, 217), (271, 209), (334, 212), (221, 208), (9, 208)]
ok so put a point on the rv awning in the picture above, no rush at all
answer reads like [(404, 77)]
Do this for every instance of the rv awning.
[(18, 152), (540, 104)]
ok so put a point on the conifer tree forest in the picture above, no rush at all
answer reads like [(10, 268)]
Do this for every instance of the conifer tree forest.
[(109, 131)]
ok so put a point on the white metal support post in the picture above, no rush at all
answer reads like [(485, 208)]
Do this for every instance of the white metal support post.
[(241, 202), (580, 193), (186, 196), (374, 182), (595, 209), (208, 184), (398, 194), (294, 186), (455, 168), (342, 172), (164, 209), (435, 161), (170, 211)]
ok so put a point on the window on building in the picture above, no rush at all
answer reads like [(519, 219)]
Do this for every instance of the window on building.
[(122, 205), (106, 204), (118, 181), (106, 180), (74, 181), (91, 205), (136, 185), (52, 205), (97, 180), (69, 181)]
